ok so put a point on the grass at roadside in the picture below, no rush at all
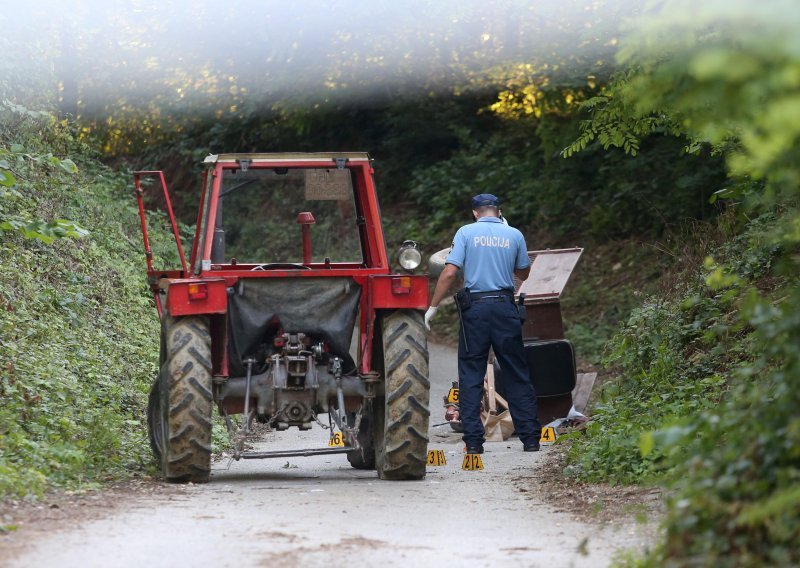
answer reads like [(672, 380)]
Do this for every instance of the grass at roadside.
[(702, 400), (78, 331), (608, 282), (672, 358)]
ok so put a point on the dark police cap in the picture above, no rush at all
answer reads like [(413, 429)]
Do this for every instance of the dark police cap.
[(485, 200)]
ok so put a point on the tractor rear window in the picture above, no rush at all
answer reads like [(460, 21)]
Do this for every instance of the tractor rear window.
[(259, 212)]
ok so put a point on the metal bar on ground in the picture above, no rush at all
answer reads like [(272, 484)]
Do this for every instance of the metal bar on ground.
[(295, 453)]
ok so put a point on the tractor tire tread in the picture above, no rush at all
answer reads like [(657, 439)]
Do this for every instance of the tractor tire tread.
[(397, 393), (405, 440), (187, 451)]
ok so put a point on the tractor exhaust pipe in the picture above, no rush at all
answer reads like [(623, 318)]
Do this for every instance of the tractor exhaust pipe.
[(305, 220)]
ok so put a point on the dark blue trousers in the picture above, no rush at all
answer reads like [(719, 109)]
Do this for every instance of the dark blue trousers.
[(494, 322)]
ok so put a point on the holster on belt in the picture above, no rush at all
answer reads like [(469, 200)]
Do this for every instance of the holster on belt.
[(463, 299), (521, 307)]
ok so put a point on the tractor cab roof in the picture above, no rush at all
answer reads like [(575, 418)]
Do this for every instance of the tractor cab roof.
[(300, 157)]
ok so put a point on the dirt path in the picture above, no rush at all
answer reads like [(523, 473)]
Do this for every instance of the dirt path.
[(320, 512)]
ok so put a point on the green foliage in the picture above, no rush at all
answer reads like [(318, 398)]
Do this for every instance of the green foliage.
[(674, 359), (600, 194), (16, 161), (738, 83), (45, 232), (610, 281), (658, 384), (735, 498), (703, 75), (74, 367), (613, 124), (724, 75), (705, 108)]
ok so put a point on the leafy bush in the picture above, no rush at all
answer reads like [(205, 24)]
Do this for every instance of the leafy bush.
[(16, 158), (723, 76), (599, 194), (666, 371), (704, 386), (78, 332)]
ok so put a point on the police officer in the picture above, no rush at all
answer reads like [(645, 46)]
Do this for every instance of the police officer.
[(490, 254)]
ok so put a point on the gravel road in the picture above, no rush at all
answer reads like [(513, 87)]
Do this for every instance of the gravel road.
[(320, 512)]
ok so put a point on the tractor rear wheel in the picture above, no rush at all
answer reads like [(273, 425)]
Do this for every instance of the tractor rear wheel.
[(155, 426), (179, 413), (401, 427)]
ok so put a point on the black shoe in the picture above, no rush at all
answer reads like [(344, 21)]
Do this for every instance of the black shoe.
[(474, 449), (531, 447)]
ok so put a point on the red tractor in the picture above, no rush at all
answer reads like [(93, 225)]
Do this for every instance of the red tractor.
[(288, 261)]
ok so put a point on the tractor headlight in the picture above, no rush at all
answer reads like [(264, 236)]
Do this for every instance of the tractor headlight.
[(409, 256)]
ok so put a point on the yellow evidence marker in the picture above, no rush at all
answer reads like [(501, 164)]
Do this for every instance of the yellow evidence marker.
[(336, 440), (436, 457), (452, 396), (549, 436), (472, 462)]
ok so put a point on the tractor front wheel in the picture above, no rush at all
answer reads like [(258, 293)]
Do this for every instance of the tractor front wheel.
[(401, 428), (180, 405)]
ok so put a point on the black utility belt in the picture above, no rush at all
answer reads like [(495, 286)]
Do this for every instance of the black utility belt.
[(496, 295), (464, 299)]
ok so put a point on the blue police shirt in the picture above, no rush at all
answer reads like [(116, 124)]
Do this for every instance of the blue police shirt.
[(489, 251)]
